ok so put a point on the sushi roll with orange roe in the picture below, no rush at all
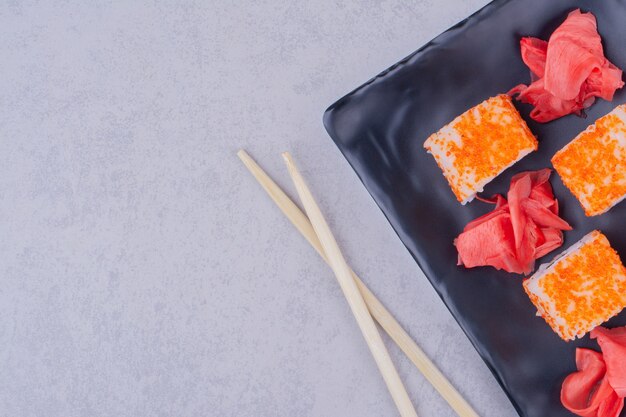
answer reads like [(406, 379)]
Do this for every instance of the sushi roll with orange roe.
[(478, 145), (581, 288), (593, 165)]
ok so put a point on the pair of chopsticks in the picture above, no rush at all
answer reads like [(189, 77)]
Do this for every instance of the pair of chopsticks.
[(362, 301)]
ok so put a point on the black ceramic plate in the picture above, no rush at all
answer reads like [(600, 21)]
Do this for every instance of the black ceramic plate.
[(381, 127)]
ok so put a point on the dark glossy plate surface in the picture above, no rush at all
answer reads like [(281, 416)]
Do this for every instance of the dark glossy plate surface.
[(380, 128)]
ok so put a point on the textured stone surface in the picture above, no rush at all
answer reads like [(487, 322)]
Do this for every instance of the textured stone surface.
[(144, 272)]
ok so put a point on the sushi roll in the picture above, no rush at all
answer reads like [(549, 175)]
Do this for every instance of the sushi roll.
[(593, 165), (581, 288), (478, 145)]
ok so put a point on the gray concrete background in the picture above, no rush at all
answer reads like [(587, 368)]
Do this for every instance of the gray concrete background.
[(144, 272)]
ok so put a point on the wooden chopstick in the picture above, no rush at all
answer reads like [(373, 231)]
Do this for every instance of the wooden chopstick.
[(376, 308), (351, 292)]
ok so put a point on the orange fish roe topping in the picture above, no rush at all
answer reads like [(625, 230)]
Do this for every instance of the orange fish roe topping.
[(479, 144), (581, 290), (593, 165)]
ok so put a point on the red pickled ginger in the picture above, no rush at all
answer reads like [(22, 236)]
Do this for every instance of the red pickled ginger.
[(516, 232), (598, 388), (587, 392), (613, 345), (569, 71)]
